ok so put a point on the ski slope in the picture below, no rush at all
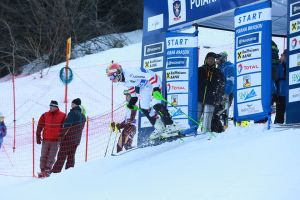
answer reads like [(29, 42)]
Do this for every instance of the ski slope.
[(242, 163)]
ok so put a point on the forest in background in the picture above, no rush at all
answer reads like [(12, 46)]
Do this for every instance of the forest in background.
[(37, 30)]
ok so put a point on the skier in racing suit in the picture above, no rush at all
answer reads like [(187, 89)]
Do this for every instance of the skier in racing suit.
[(148, 83)]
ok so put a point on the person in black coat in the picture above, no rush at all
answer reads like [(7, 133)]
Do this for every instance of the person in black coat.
[(210, 90), (70, 137)]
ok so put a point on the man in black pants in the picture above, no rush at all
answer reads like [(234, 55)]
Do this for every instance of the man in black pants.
[(70, 137)]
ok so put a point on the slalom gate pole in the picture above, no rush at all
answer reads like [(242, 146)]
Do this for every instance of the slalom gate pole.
[(14, 102)]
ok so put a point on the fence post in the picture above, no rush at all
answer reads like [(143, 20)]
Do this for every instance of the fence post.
[(33, 143), (87, 139)]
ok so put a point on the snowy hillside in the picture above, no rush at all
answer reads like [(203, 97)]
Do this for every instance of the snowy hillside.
[(249, 163)]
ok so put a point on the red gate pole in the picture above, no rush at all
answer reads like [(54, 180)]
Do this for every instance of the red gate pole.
[(14, 104), (112, 101), (33, 154), (87, 139)]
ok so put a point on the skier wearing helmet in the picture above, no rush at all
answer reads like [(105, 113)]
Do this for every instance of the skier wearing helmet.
[(148, 83)]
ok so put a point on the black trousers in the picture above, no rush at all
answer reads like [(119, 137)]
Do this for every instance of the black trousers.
[(280, 110), (67, 152)]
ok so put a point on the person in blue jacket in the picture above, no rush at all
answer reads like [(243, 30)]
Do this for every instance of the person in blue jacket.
[(2, 129), (227, 68), (281, 89)]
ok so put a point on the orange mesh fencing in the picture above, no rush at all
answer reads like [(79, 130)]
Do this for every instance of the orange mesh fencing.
[(24, 160)]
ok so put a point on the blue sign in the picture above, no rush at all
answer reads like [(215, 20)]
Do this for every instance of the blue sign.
[(253, 50), (181, 77), (293, 69)]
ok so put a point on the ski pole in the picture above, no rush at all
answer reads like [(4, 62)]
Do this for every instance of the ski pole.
[(158, 96), (111, 131), (117, 133)]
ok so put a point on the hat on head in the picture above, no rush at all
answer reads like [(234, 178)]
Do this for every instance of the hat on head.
[(54, 103), (210, 54), (222, 56), (77, 101)]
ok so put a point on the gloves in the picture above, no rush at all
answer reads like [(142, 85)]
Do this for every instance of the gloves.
[(38, 140), (118, 126), (112, 126), (132, 107), (157, 94)]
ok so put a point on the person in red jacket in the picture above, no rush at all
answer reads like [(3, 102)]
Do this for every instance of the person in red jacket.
[(47, 133)]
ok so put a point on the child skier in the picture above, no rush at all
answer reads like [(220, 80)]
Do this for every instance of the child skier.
[(148, 83), (128, 126)]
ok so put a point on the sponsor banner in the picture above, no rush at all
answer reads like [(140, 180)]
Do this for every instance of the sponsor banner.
[(154, 63), (248, 53), (252, 17), (181, 71), (177, 87), (249, 39), (153, 49), (178, 99), (177, 74), (183, 123), (250, 108), (294, 43), (249, 80), (248, 94), (294, 9), (181, 42), (294, 26), (155, 22), (294, 95), (294, 60), (180, 62), (249, 66), (294, 77), (177, 11), (145, 123), (178, 112)]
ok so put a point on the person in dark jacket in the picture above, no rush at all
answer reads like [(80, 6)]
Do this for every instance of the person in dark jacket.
[(210, 90), (70, 137), (2, 129), (280, 82), (47, 133)]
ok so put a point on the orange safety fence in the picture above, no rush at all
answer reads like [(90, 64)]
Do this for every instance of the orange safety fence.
[(24, 160)]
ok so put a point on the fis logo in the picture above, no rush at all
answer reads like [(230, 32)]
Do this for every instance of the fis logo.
[(247, 81), (247, 95), (174, 100)]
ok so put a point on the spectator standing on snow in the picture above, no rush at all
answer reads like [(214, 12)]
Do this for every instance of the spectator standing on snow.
[(280, 82), (2, 129), (47, 134), (128, 126), (70, 137), (227, 68), (210, 91)]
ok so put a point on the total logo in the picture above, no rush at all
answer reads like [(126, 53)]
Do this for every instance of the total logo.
[(242, 68), (176, 88)]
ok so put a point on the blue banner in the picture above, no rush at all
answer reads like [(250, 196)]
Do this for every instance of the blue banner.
[(153, 58), (161, 15), (253, 58), (181, 77), (293, 69)]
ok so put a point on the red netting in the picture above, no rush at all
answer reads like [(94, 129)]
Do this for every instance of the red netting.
[(24, 159)]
